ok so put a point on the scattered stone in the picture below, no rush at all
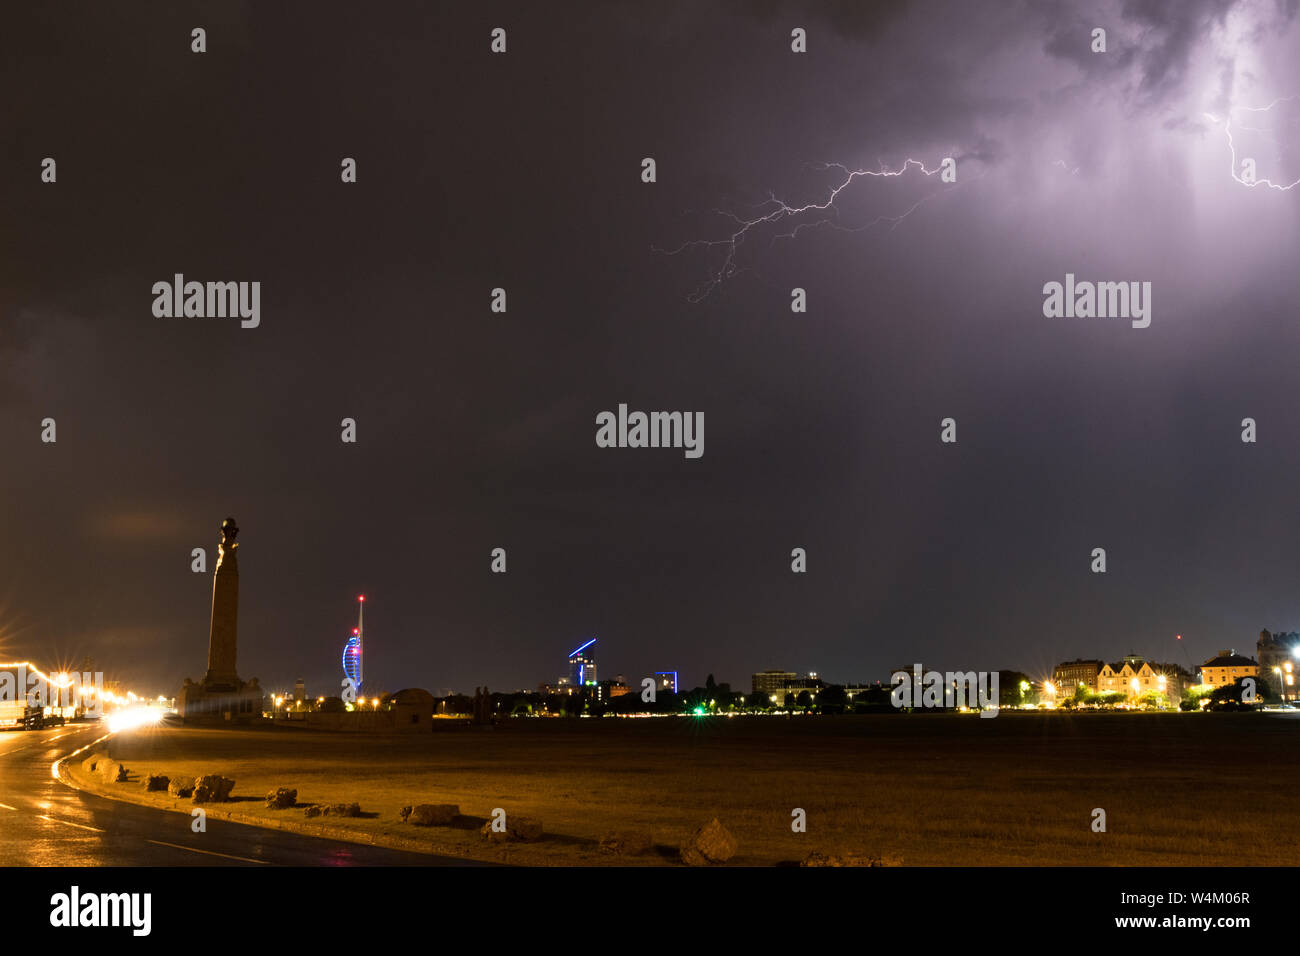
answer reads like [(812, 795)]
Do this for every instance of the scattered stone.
[(112, 771), (711, 843), (524, 828), (342, 809), (517, 828), (212, 788), (494, 836), (88, 765), (155, 782), (314, 810), (281, 798), (849, 859), (432, 814), (182, 787), (627, 842)]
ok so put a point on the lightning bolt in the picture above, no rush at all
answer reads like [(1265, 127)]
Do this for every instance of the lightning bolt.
[(1232, 148), (777, 212)]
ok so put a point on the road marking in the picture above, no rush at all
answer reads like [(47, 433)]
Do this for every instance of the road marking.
[(210, 852), (80, 826), (7, 807)]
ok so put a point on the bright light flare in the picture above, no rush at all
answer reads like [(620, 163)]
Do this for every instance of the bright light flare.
[(133, 717)]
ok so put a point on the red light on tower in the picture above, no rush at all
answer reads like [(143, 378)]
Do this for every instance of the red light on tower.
[(361, 598)]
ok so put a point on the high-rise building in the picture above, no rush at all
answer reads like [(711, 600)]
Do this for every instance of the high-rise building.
[(582, 665), (772, 682)]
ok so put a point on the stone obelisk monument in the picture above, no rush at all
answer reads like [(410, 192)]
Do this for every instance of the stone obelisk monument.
[(223, 631), (221, 695)]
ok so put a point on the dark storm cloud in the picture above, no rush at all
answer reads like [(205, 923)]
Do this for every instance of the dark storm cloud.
[(1169, 30), (476, 429)]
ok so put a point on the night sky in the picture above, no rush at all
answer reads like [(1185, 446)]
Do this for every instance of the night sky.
[(477, 430)]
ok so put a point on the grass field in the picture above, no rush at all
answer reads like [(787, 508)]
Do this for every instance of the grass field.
[(933, 789)]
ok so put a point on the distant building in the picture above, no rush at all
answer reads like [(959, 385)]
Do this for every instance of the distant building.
[(1069, 675), (1277, 654), (772, 682), (1134, 676), (561, 686), (857, 691), (1177, 679), (777, 685), (666, 680), (582, 665), (1227, 667), (812, 684), (609, 689)]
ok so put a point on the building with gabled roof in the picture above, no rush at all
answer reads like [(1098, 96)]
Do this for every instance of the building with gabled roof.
[(1227, 667)]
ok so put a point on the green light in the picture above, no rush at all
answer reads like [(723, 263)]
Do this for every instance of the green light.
[(699, 711)]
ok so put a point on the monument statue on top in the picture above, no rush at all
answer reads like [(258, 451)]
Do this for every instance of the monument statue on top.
[(223, 631), (221, 695)]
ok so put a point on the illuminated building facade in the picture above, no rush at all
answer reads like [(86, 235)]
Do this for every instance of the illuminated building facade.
[(1227, 667), (582, 665), (1069, 675), (1134, 676), (609, 689)]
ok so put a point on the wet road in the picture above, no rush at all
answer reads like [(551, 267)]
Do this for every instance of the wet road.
[(44, 822)]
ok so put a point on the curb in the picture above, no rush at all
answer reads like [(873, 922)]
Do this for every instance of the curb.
[(64, 775)]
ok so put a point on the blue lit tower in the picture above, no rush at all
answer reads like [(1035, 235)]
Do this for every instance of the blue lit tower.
[(582, 665), (352, 656)]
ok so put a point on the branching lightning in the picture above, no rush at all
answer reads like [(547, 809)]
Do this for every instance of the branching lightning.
[(1232, 148), (777, 212)]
